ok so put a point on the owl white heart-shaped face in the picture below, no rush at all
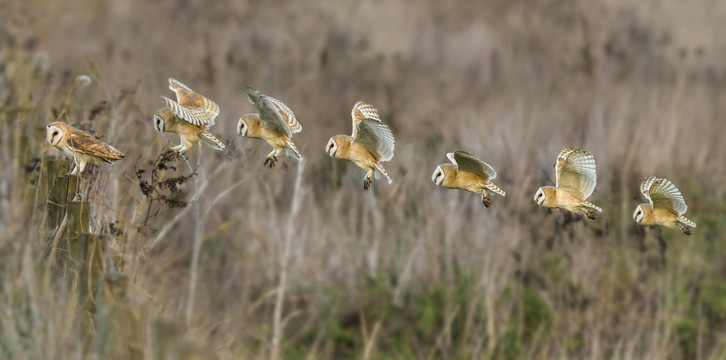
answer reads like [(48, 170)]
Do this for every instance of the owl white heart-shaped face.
[(332, 147), (242, 127), (54, 134), (639, 214), (540, 196), (158, 123), (438, 176)]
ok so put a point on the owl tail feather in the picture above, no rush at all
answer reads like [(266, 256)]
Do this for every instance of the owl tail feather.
[(683, 220), (212, 141), (496, 189), (591, 206), (380, 169), (291, 150)]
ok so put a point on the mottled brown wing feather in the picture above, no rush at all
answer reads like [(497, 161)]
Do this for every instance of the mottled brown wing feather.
[(575, 171), (191, 106), (377, 138), (663, 194), (84, 142), (362, 110), (469, 163)]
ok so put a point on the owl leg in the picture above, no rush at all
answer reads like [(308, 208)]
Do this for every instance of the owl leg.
[(368, 180), (81, 166), (183, 146), (485, 199), (271, 158)]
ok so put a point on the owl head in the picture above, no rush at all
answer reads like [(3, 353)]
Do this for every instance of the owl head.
[(641, 211), (245, 122), (442, 173), (544, 195), (332, 147), (161, 119), (56, 132)]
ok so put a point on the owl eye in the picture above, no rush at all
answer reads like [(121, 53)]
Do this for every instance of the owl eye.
[(55, 133)]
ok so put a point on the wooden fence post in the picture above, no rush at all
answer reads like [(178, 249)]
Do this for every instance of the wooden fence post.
[(55, 189)]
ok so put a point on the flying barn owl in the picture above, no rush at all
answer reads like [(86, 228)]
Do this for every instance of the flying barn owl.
[(80, 146), (370, 143), (466, 172), (190, 117), (666, 206), (275, 123), (576, 180)]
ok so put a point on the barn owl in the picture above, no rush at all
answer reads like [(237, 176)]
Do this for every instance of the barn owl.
[(370, 143), (466, 172), (80, 146), (190, 117), (576, 180), (275, 123), (666, 206)]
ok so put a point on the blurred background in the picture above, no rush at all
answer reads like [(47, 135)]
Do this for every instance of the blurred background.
[(407, 270)]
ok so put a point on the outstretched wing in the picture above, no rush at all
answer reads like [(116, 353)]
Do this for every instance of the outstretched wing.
[(663, 194), (191, 106), (274, 112), (468, 163), (361, 111), (86, 143), (375, 137), (575, 172)]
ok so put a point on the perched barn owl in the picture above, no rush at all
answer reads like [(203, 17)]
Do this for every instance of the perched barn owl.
[(274, 124), (190, 117), (80, 146), (576, 180), (370, 143), (666, 206), (466, 172)]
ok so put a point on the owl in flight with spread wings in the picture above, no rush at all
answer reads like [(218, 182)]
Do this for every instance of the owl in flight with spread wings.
[(466, 172), (275, 123), (190, 116), (666, 205), (370, 143), (575, 182)]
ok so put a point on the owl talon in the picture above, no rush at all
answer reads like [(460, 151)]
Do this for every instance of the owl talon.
[(486, 201), (271, 161), (685, 230), (591, 215), (367, 183)]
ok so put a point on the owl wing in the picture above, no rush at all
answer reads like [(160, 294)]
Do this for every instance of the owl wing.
[(274, 112), (86, 143), (468, 163), (375, 137), (361, 111), (191, 106), (575, 172), (663, 194)]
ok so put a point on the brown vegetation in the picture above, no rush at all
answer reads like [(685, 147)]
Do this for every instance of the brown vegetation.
[(406, 270)]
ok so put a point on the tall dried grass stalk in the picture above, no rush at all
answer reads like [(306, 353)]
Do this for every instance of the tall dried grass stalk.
[(277, 326)]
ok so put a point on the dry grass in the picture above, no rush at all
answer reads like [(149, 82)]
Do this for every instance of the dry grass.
[(406, 270)]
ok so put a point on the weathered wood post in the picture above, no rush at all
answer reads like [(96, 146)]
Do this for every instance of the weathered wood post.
[(55, 188), (86, 251)]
